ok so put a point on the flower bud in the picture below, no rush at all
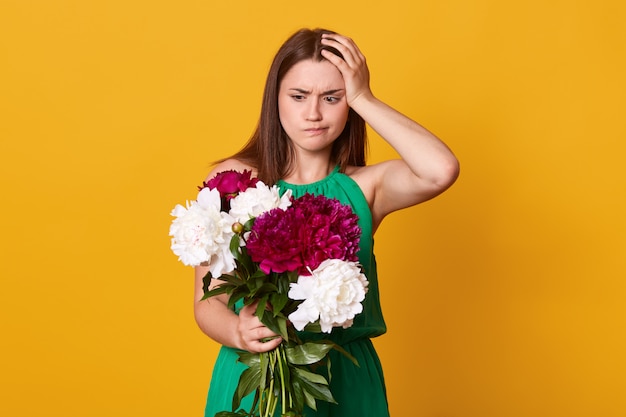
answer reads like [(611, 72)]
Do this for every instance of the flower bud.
[(237, 228)]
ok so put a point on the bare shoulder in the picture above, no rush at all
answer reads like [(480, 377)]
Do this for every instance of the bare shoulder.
[(367, 177), (228, 165), (374, 181)]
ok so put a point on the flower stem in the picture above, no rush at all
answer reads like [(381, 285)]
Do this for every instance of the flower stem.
[(270, 398), (281, 371)]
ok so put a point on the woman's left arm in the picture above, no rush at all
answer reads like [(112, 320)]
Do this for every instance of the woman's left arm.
[(427, 168)]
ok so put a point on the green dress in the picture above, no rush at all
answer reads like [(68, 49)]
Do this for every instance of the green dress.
[(359, 391)]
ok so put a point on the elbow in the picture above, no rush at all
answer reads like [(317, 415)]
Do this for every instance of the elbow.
[(198, 315), (454, 170), (448, 173)]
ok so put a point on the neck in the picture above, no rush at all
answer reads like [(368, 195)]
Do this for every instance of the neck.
[(309, 172)]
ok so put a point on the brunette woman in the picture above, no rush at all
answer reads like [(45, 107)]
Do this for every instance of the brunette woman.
[(311, 139)]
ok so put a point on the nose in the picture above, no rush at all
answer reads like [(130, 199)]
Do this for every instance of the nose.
[(313, 111)]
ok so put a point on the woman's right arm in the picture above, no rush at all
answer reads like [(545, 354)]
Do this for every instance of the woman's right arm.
[(215, 319), (213, 316), (244, 331)]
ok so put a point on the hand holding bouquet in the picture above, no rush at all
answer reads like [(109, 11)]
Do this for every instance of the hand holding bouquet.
[(295, 258)]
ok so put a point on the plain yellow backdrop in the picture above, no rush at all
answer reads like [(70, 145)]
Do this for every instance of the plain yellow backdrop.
[(504, 297)]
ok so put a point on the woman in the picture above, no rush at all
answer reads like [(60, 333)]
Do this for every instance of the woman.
[(311, 138)]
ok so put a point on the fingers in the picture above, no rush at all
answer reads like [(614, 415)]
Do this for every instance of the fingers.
[(255, 336), (353, 67), (259, 346), (351, 53)]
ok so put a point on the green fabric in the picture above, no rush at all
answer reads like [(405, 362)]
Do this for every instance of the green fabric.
[(359, 391)]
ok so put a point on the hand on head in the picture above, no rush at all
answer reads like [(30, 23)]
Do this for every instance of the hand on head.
[(353, 66)]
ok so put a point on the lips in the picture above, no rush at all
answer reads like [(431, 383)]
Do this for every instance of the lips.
[(316, 130)]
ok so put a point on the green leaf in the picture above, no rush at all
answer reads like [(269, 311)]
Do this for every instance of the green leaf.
[(260, 308), (233, 414), (270, 321), (206, 281), (298, 394), (260, 288), (292, 276), (283, 281), (278, 302), (234, 297), (308, 353), (320, 392), (234, 246), (229, 283), (232, 279), (309, 399), (247, 226), (282, 326), (313, 327), (245, 262), (259, 274), (215, 291), (249, 358), (310, 376), (311, 391), (264, 366), (248, 382), (328, 366)]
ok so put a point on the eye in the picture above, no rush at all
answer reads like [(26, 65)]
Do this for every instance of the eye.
[(331, 99), (298, 97)]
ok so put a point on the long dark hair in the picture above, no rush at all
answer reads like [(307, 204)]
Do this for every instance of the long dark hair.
[(269, 149)]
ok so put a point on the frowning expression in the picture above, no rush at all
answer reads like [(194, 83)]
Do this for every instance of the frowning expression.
[(312, 105)]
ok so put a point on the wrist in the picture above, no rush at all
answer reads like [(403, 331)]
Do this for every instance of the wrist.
[(361, 101)]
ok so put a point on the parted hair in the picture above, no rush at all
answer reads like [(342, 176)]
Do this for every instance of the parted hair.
[(269, 149)]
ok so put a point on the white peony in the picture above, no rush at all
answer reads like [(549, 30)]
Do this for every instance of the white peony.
[(332, 294), (201, 232), (256, 201)]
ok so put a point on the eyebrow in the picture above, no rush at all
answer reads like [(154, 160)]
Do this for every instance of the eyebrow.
[(303, 91)]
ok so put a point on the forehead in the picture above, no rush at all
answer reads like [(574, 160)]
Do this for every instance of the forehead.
[(312, 76)]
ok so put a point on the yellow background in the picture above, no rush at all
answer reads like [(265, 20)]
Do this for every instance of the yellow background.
[(504, 297)]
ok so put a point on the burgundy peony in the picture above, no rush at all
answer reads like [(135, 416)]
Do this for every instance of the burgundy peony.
[(229, 184), (311, 230)]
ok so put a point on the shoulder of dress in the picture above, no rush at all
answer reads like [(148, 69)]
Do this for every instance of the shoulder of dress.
[(363, 177)]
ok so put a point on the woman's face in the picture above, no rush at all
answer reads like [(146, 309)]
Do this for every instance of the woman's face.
[(312, 105)]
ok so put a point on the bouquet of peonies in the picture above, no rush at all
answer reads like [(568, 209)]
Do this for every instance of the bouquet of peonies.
[(297, 258)]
